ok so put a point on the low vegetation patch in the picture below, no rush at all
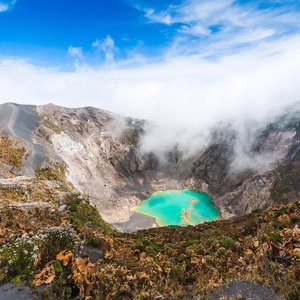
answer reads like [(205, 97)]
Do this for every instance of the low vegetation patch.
[(21, 256), (55, 172), (11, 151), (171, 262), (83, 213), (47, 122)]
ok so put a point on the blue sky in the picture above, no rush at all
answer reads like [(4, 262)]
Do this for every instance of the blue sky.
[(187, 65), (160, 60), (44, 30), (61, 32)]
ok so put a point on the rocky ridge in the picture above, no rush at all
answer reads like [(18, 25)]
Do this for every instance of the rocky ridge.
[(100, 151)]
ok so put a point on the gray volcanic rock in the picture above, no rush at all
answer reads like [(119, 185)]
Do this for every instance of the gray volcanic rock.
[(99, 149), (101, 153), (136, 221), (238, 191), (9, 291), (21, 121), (244, 290)]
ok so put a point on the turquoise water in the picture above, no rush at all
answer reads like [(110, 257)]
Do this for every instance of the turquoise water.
[(184, 207)]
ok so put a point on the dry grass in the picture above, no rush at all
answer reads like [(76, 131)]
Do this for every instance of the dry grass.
[(12, 151)]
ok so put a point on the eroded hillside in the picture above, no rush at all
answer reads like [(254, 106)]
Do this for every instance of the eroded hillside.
[(101, 156)]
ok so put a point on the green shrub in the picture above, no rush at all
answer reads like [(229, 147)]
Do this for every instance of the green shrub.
[(276, 237), (83, 213), (227, 242), (17, 260), (9, 223), (94, 241), (57, 267), (56, 172), (68, 293), (55, 242)]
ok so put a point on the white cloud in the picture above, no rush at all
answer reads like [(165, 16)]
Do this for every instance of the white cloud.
[(184, 93), (161, 17), (185, 96), (3, 7), (107, 47), (6, 5), (76, 52), (255, 35), (223, 25)]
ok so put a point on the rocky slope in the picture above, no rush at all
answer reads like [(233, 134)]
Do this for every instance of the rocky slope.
[(100, 153), (241, 191), (65, 172)]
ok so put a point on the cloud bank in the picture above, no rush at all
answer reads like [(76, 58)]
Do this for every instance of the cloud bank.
[(194, 87), (183, 96)]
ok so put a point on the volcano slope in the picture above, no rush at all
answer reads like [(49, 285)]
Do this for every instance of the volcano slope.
[(60, 167), (100, 154)]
